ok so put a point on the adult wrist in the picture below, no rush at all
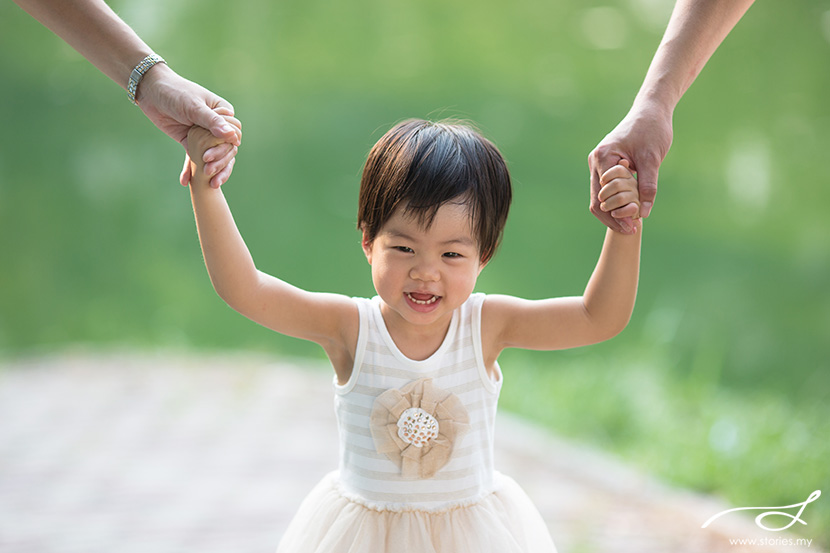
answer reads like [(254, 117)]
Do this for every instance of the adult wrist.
[(154, 78), (138, 73), (653, 103)]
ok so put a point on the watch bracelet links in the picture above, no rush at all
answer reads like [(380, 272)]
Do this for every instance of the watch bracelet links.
[(138, 73)]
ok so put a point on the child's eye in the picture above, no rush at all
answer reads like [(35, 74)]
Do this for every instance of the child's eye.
[(452, 255), (404, 249)]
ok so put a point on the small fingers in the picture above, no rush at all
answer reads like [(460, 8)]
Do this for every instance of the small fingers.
[(594, 206), (619, 188), (601, 157), (616, 186), (616, 172), (620, 200), (630, 210)]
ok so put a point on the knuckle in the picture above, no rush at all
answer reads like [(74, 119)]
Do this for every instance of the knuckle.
[(597, 212), (651, 157), (648, 189)]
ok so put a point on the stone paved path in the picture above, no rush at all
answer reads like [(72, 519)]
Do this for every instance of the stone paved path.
[(178, 454)]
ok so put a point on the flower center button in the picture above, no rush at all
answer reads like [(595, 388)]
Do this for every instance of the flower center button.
[(417, 427)]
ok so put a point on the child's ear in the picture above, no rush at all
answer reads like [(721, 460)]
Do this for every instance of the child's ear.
[(366, 244)]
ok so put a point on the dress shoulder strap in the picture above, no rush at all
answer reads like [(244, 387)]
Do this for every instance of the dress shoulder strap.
[(476, 302), (364, 307)]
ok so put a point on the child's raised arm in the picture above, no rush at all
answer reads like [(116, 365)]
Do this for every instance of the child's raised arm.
[(599, 314), (327, 319)]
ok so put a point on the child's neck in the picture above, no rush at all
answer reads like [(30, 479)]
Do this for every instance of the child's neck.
[(417, 343)]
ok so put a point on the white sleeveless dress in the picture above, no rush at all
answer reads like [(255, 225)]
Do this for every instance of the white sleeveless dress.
[(416, 468)]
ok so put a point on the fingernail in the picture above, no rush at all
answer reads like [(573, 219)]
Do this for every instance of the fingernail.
[(226, 128), (645, 209)]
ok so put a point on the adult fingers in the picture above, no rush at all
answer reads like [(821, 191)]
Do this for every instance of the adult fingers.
[(222, 106), (647, 184), (214, 167), (217, 152), (629, 223), (205, 116), (233, 121), (236, 124), (223, 175)]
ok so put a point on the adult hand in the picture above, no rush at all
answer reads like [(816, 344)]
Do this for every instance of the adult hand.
[(643, 138), (175, 104)]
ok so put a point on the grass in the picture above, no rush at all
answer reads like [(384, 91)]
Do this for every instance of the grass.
[(751, 449)]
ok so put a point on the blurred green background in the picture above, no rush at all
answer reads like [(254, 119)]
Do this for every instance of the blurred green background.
[(721, 381)]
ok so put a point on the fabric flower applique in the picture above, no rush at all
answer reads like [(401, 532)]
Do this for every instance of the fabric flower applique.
[(417, 426)]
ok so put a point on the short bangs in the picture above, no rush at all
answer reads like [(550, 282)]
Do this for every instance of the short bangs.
[(420, 165)]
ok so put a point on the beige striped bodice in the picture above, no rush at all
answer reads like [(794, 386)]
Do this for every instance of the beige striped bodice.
[(456, 367)]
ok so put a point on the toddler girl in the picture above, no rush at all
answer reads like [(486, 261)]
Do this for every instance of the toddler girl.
[(416, 372)]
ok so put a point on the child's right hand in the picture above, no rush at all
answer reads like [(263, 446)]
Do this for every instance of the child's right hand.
[(619, 189), (200, 140)]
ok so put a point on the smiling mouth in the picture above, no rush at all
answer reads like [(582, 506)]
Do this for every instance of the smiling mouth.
[(423, 299)]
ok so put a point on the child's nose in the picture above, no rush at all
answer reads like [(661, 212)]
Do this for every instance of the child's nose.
[(425, 270)]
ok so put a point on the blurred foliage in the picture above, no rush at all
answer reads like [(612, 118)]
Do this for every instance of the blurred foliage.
[(720, 382)]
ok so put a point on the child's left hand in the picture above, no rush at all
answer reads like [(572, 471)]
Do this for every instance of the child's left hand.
[(619, 189)]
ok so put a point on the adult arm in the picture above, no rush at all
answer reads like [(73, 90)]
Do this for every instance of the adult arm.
[(171, 102), (694, 32)]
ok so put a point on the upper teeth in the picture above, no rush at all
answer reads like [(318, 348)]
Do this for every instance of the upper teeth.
[(433, 299)]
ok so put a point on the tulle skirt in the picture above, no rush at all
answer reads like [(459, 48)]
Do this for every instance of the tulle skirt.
[(505, 521)]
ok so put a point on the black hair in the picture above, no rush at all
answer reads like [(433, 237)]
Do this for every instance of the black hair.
[(420, 165)]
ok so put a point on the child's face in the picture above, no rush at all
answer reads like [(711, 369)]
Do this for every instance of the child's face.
[(422, 275)]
